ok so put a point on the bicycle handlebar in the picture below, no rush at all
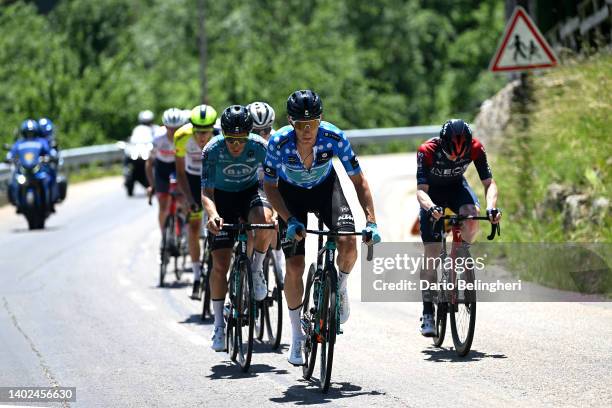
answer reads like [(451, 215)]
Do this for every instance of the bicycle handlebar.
[(495, 228), (367, 235), (246, 226)]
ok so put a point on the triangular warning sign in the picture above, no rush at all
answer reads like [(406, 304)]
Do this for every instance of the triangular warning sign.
[(522, 47)]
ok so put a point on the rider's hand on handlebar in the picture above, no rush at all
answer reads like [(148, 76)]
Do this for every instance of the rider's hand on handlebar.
[(494, 215), (214, 225), (295, 229), (436, 212), (371, 234)]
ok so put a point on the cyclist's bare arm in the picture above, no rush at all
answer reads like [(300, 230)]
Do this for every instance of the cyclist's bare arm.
[(364, 195), (491, 195), (149, 171), (208, 201), (276, 200), (425, 200), (181, 178)]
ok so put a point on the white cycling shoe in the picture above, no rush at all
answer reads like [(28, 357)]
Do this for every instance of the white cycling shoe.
[(345, 307), (296, 356), (428, 328), (218, 339), (260, 286)]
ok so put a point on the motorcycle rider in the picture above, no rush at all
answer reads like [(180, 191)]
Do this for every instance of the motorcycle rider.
[(30, 143)]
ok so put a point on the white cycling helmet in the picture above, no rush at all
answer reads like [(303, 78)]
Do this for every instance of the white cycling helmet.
[(263, 115), (173, 118), (145, 117)]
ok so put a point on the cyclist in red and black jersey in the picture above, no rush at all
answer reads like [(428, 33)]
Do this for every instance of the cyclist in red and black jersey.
[(441, 163)]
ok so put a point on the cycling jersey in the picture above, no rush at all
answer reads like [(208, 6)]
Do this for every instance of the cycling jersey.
[(187, 147), (222, 171), (284, 161), (434, 168), (163, 149)]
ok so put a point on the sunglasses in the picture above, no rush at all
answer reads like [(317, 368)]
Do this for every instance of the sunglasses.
[(236, 140), (197, 129), (303, 124), (264, 131)]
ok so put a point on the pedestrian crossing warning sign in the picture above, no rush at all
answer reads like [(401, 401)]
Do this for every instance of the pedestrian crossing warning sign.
[(523, 46)]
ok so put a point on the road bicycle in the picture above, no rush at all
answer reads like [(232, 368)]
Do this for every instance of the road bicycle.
[(240, 313), (174, 236), (460, 305), (321, 318)]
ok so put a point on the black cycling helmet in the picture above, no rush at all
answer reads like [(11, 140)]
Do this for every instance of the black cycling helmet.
[(456, 138), (304, 105), (236, 120)]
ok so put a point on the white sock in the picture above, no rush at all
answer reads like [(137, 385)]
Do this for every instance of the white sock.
[(296, 324), (279, 257), (218, 312), (195, 266), (257, 263), (342, 280)]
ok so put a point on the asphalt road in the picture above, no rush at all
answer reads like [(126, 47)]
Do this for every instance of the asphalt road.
[(79, 307)]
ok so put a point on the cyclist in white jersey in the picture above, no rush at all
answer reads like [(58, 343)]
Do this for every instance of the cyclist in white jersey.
[(161, 164), (263, 119)]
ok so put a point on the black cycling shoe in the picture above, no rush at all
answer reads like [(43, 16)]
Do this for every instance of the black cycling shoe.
[(196, 294)]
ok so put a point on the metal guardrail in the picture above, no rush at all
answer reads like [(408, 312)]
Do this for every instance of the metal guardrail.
[(111, 153), (74, 159)]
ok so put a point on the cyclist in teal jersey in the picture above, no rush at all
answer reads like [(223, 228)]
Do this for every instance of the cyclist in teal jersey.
[(230, 191)]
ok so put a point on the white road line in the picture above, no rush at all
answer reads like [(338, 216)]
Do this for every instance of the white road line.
[(140, 300), (187, 334)]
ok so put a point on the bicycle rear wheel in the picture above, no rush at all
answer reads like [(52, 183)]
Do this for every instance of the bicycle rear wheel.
[(245, 308), (328, 321), (308, 312), (165, 250), (463, 317), (270, 317), (440, 314)]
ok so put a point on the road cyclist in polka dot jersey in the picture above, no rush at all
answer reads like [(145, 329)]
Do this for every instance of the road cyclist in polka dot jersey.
[(299, 178)]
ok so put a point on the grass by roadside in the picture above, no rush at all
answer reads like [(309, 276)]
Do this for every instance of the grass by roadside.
[(554, 176), (94, 171)]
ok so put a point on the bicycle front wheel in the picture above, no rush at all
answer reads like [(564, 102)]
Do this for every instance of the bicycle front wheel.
[(308, 321), (463, 317), (328, 321), (245, 308)]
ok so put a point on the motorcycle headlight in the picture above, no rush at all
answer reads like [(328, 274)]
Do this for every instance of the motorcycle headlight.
[(21, 179)]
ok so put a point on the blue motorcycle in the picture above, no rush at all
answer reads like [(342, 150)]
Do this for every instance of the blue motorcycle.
[(29, 189)]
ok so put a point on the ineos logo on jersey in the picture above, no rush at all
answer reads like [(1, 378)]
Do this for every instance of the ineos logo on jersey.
[(237, 170)]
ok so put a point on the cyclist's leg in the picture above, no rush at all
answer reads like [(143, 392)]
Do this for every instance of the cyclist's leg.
[(162, 173), (465, 202), (337, 215), (259, 211), (431, 236), (296, 200), (221, 250)]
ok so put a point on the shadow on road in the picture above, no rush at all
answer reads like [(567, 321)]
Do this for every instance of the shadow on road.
[(197, 319), (449, 355), (174, 285), (307, 392), (261, 347), (25, 230), (231, 371)]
